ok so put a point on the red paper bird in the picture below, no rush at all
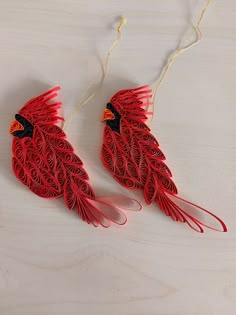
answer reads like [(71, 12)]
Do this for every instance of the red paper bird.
[(46, 163), (132, 154)]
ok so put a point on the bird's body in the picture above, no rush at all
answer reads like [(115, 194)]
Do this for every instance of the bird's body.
[(133, 156), (45, 162)]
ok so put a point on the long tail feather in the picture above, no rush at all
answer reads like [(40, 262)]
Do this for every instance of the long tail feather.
[(122, 202), (176, 212), (103, 213)]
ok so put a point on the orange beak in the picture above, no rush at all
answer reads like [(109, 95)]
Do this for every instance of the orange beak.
[(15, 126), (107, 115)]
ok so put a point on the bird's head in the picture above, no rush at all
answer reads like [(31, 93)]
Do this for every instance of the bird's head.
[(21, 127), (111, 117), (127, 105)]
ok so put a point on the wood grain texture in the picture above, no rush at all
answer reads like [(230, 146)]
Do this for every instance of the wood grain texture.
[(50, 261)]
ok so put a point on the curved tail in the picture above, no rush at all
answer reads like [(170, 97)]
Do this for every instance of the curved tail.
[(101, 212), (172, 209), (97, 212), (79, 194)]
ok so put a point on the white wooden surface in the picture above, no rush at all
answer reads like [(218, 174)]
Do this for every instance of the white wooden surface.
[(53, 263)]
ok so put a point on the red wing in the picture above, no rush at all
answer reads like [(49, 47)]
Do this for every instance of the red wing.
[(141, 157), (36, 165), (118, 161), (20, 172)]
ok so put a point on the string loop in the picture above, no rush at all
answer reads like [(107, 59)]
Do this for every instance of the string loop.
[(178, 51), (104, 73)]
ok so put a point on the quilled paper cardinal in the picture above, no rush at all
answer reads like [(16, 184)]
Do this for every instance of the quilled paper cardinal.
[(133, 156), (46, 163)]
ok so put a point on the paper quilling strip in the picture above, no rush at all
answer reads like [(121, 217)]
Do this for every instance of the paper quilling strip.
[(133, 156), (45, 162)]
